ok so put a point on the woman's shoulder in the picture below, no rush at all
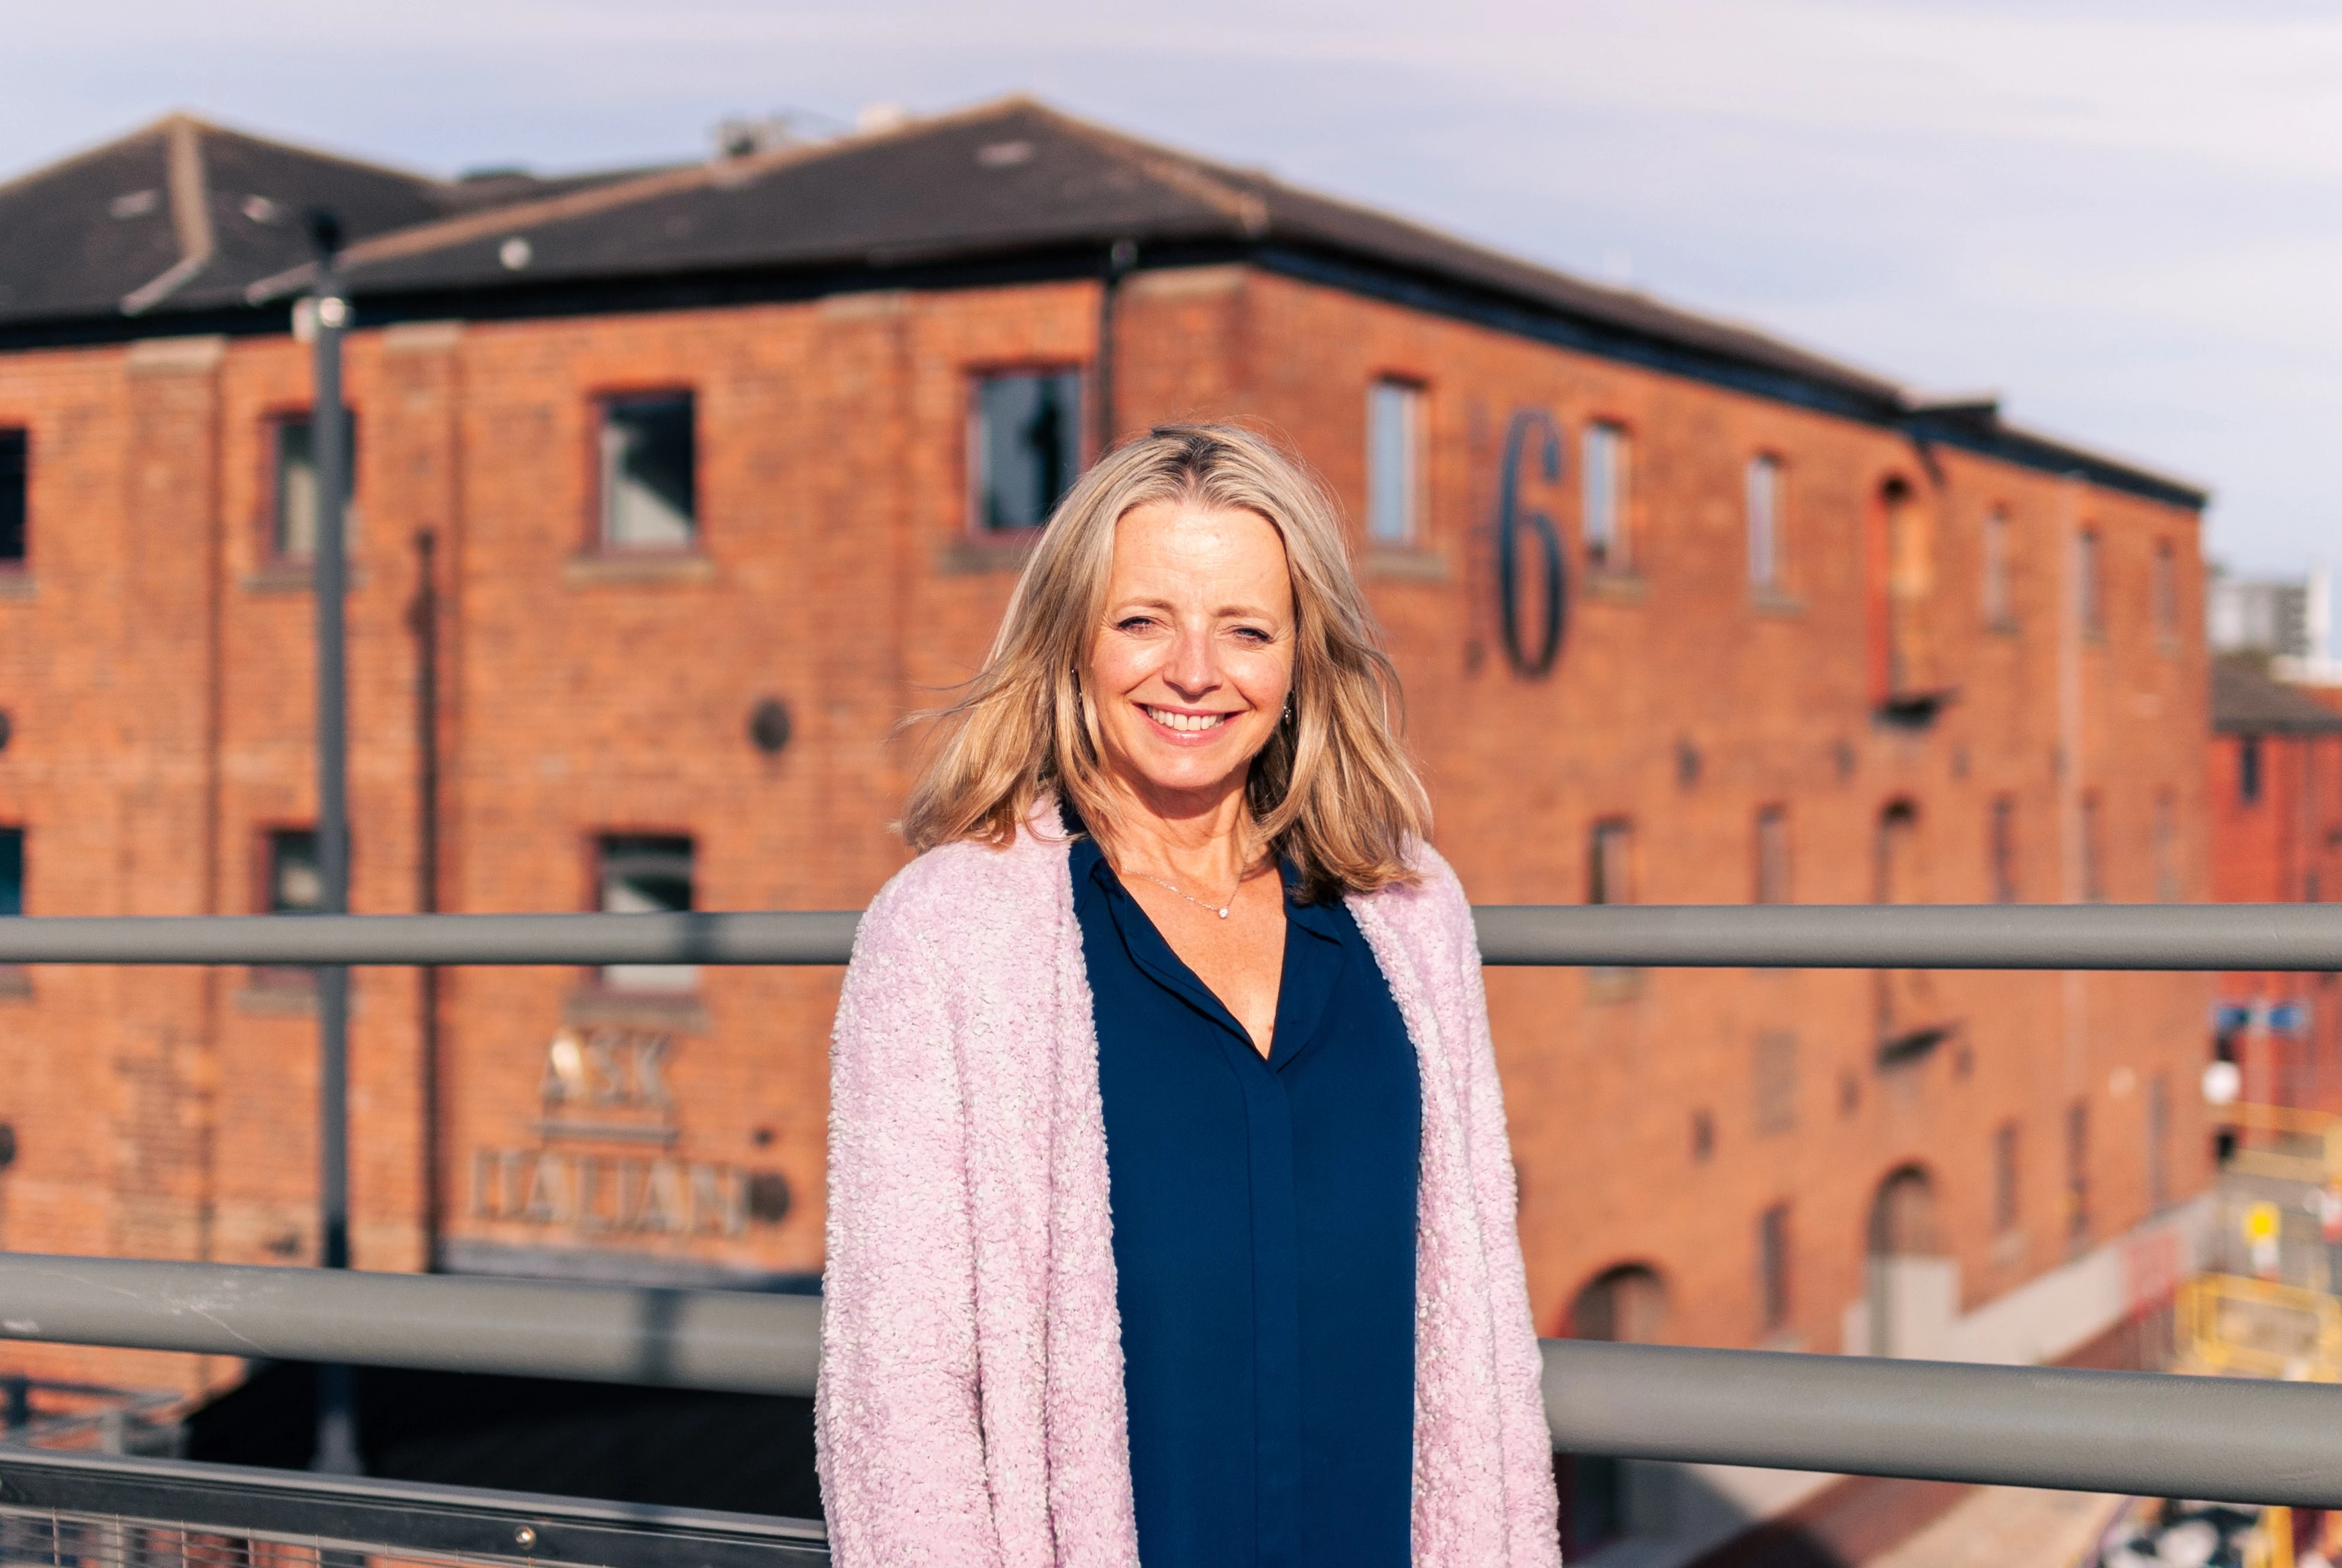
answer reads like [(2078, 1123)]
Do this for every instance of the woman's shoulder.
[(1430, 908), (966, 885)]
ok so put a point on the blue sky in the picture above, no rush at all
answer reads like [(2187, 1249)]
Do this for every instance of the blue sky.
[(2122, 218)]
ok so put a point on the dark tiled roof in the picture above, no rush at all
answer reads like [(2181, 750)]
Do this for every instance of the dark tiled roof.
[(1008, 183), (1007, 176), (184, 215), (2246, 701)]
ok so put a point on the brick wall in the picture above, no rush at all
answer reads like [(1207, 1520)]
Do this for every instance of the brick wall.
[(155, 662)]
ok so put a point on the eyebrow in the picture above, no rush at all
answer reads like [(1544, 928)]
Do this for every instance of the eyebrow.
[(1224, 610)]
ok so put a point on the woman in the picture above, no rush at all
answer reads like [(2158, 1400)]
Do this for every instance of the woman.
[(1170, 1208)]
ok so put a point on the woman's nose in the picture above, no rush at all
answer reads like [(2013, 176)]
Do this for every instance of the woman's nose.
[(1191, 669)]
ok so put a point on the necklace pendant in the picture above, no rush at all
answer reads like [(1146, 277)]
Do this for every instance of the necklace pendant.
[(1222, 914)]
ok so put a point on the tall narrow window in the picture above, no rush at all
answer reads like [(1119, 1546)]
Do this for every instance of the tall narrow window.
[(647, 874), (1610, 863), (1773, 854), (2005, 1195), (1606, 497), (2089, 590), (2166, 848), (12, 871), (1773, 1267), (1763, 506), (2094, 848), (1999, 608), (2002, 849), (15, 493), (650, 472), (2249, 769), (1027, 446), (2077, 1175), (2166, 593), (293, 881), (1394, 463), (294, 526), (2159, 1142), (296, 879), (1776, 1083)]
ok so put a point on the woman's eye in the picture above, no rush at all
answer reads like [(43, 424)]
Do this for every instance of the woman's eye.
[(1254, 635), (1134, 623)]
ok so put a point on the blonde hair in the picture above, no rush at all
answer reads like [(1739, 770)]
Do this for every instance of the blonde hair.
[(1332, 789)]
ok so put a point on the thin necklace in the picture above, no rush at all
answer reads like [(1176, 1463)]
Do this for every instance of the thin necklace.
[(1219, 909)]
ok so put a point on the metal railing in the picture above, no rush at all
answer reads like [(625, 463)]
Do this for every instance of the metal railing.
[(2143, 1432), (2211, 1438), (2246, 937), (93, 1511)]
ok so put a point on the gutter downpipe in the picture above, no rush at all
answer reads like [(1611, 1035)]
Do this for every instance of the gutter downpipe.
[(1120, 258)]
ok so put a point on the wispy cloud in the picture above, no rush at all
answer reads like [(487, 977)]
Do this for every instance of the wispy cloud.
[(2122, 215)]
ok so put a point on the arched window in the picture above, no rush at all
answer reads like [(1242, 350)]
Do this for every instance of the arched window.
[(1903, 1216), (1913, 1294), (1627, 1304)]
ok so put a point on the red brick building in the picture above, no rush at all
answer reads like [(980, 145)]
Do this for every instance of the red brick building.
[(727, 467), (2275, 790)]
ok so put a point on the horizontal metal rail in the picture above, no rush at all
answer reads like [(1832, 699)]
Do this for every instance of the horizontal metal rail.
[(739, 1340), (2181, 937), (2139, 1432), (2147, 1434), (383, 1520)]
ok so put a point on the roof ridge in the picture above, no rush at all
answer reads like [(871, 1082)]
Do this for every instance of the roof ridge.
[(191, 214)]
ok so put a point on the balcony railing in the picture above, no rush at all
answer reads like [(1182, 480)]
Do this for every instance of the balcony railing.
[(2138, 1433)]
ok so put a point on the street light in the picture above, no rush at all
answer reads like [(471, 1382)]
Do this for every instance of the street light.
[(328, 311)]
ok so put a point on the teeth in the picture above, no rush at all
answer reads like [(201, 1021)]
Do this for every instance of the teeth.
[(1169, 720)]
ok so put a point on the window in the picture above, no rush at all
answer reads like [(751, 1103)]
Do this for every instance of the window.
[(1765, 522), (15, 493), (2002, 849), (647, 874), (293, 532), (1028, 445), (2078, 1174), (293, 881), (1773, 1267), (2090, 594), (12, 871), (2249, 769), (2093, 849), (2166, 848), (650, 478), (1625, 1306), (2166, 593), (1394, 463), (1998, 610), (1606, 497), (1773, 854), (1895, 855), (1776, 1083), (296, 876), (2005, 1192), (2158, 1144), (1610, 864)]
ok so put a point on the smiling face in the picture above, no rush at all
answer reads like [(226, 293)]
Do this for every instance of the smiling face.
[(1194, 659)]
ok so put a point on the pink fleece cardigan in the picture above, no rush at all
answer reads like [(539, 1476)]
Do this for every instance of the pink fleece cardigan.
[(971, 1399)]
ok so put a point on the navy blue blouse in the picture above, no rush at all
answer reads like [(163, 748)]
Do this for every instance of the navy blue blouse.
[(1264, 1239)]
